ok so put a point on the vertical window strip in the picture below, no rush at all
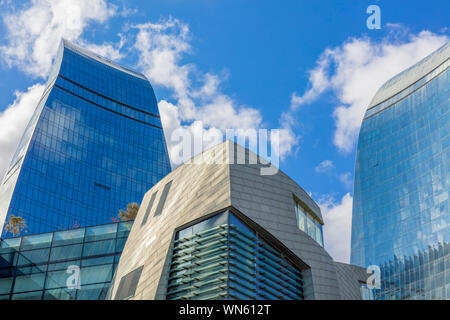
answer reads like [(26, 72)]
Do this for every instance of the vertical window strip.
[(162, 199), (149, 208)]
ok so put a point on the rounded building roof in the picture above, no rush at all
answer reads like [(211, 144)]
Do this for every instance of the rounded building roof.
[(409, 76), (89, 54)]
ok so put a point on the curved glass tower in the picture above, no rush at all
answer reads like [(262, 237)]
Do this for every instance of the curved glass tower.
[(93, 145), (401, 209)]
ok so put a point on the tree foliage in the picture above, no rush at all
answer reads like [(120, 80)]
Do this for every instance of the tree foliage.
[(15, 225), (130, 213)]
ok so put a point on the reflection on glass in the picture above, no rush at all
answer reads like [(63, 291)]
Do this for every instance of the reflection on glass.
[(308, 224), (222, 258), (94, 144), (68, 237), (401, 207), (36, 241), (41, 273)]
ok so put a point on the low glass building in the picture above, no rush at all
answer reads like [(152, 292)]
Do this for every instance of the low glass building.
[(72, 264)]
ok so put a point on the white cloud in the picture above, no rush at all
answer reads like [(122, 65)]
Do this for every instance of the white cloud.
[(325, 166), (14, 120), (107, 50), (319, 82), (355, 70), (337, 217), (197, 102), (33, 36), (346, 179), (197, 96), (35, 31)]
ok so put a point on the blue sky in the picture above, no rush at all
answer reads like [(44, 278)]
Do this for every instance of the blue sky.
[(307, 67)]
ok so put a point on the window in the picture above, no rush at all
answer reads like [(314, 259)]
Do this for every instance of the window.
[(149, 208), (101, 232), (128, 284), (366, 292), (163, 198), (308, 223)]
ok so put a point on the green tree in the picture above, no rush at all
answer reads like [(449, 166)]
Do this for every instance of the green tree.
[(130, 213), (15, 225)]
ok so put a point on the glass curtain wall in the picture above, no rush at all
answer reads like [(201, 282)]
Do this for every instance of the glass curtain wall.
[(401, 209), (44, 266), (222, 258), (95, 143)]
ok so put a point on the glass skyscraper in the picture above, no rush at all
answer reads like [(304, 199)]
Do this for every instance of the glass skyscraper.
[(401, 209), (93, 145)]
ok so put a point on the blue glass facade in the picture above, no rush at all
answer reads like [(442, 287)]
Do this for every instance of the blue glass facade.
[(94, 144), (401, 209), (222, 258), (41, 266)]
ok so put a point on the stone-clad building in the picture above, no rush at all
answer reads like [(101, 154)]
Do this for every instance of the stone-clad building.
[(215, 229)]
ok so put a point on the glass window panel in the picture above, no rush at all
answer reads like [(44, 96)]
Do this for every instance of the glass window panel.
[(97, 261), (99, 248), (63, 265), (5, 285), (6, 245), (319, 237), (57, 279), (29, 282), (6, 272), (59, 294), (93, 292), (31, 269), (241, 226), (36, 241), (107, 231), (66, 252), (36, 295), (68, 237), (96, 274), (301, 218), (120, 244), (210, 223), (7, 259), (184, 233), (124, 228), (310, 226), (33, 257)]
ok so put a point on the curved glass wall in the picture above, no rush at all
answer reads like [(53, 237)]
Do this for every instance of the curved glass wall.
[(94, 144), (401, 209), (222, 258)]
